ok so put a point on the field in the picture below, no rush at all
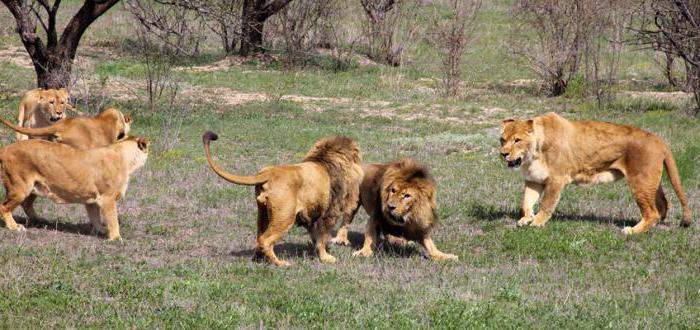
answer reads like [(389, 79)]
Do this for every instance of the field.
[(188, 235)]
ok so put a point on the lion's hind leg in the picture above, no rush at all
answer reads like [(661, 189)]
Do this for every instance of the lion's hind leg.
[(276, 221), (644, 183), (28, 207), (661, 203)]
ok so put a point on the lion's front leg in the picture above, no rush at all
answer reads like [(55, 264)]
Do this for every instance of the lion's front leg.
[(341, 237), (530, 197), (370, 237), (552, 192), (433, 251)]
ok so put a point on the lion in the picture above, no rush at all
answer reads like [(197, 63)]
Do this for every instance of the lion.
[(399, 198), (42, 107), (97, 178), (552, 152), (312, 194), (107, 127)]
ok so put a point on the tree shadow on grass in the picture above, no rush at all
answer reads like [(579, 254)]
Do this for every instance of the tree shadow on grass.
[(73, 228)]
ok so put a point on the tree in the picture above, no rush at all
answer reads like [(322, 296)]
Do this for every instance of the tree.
[(553, 35), (255, 13), (676, 31), (53, 59)]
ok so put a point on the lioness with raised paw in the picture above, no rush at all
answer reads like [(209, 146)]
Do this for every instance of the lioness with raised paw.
[(107, 127), (97, 178), (552, 152), (400, 199), (312, 194), (42, 107)]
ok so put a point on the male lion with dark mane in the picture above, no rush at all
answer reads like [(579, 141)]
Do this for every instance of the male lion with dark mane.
[(553, 152), (399, 198), (312, 194)]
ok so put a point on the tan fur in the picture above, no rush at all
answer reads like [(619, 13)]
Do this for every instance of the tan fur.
[(107, 127), (553, 152), (97, 178), (42, 107), (313, 193), (400, 198)]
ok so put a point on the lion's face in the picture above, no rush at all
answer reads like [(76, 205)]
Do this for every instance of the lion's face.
[(55, 102), (399, 200), (407, 193), (517, 140)]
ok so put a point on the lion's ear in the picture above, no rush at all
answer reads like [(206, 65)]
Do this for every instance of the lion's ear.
[(506, 122), (142, 143), (531, 124), (127, 118)]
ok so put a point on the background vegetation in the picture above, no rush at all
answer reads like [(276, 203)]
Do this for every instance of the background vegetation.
[(188, 236)]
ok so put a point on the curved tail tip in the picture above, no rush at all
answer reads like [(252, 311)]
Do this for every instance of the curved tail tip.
[(209, 136)]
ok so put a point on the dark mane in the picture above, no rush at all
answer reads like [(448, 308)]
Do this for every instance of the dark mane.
[(337, 155)]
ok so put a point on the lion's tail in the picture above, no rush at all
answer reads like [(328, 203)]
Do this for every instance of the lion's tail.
[(41, 131), (675, 178), (244, 180)]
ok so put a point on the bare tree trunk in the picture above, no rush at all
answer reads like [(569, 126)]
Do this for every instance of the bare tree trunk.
[(53, 60), (255, 13)]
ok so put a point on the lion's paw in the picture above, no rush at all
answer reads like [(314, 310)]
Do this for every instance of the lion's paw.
[(445, 256), (363, 253), (329, 259), (627, 230), (340, 241), (537, 224), (19, 229), (524, 221), (282, 263)]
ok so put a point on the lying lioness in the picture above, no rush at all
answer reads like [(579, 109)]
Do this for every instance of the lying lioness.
[(312, 194), (41, 107), (107, 127), (553, 152), (399, 198), (97, 178)]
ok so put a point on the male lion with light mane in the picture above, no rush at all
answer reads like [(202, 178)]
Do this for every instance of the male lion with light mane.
[(97, 178), (107, 127), (399, 198), (42, 107), (553, 152), (312, 194)]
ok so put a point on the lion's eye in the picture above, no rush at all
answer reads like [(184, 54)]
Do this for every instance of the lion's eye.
[(392, 190), (51, 102), (406, 196), (503, 141), (517, 140)]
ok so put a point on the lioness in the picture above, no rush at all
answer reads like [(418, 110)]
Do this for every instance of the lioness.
[(42, 107), (312, 194), (107, 127), (97, 178), (553, 152), (399, 198)]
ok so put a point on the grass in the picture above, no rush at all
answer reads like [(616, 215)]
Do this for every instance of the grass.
[(188, 235)]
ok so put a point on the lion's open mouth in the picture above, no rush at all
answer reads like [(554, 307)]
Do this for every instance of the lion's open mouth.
[(515, 163), (54, 119)]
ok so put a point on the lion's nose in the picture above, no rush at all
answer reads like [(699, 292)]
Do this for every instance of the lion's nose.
[(504, 155), (391, 207)]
